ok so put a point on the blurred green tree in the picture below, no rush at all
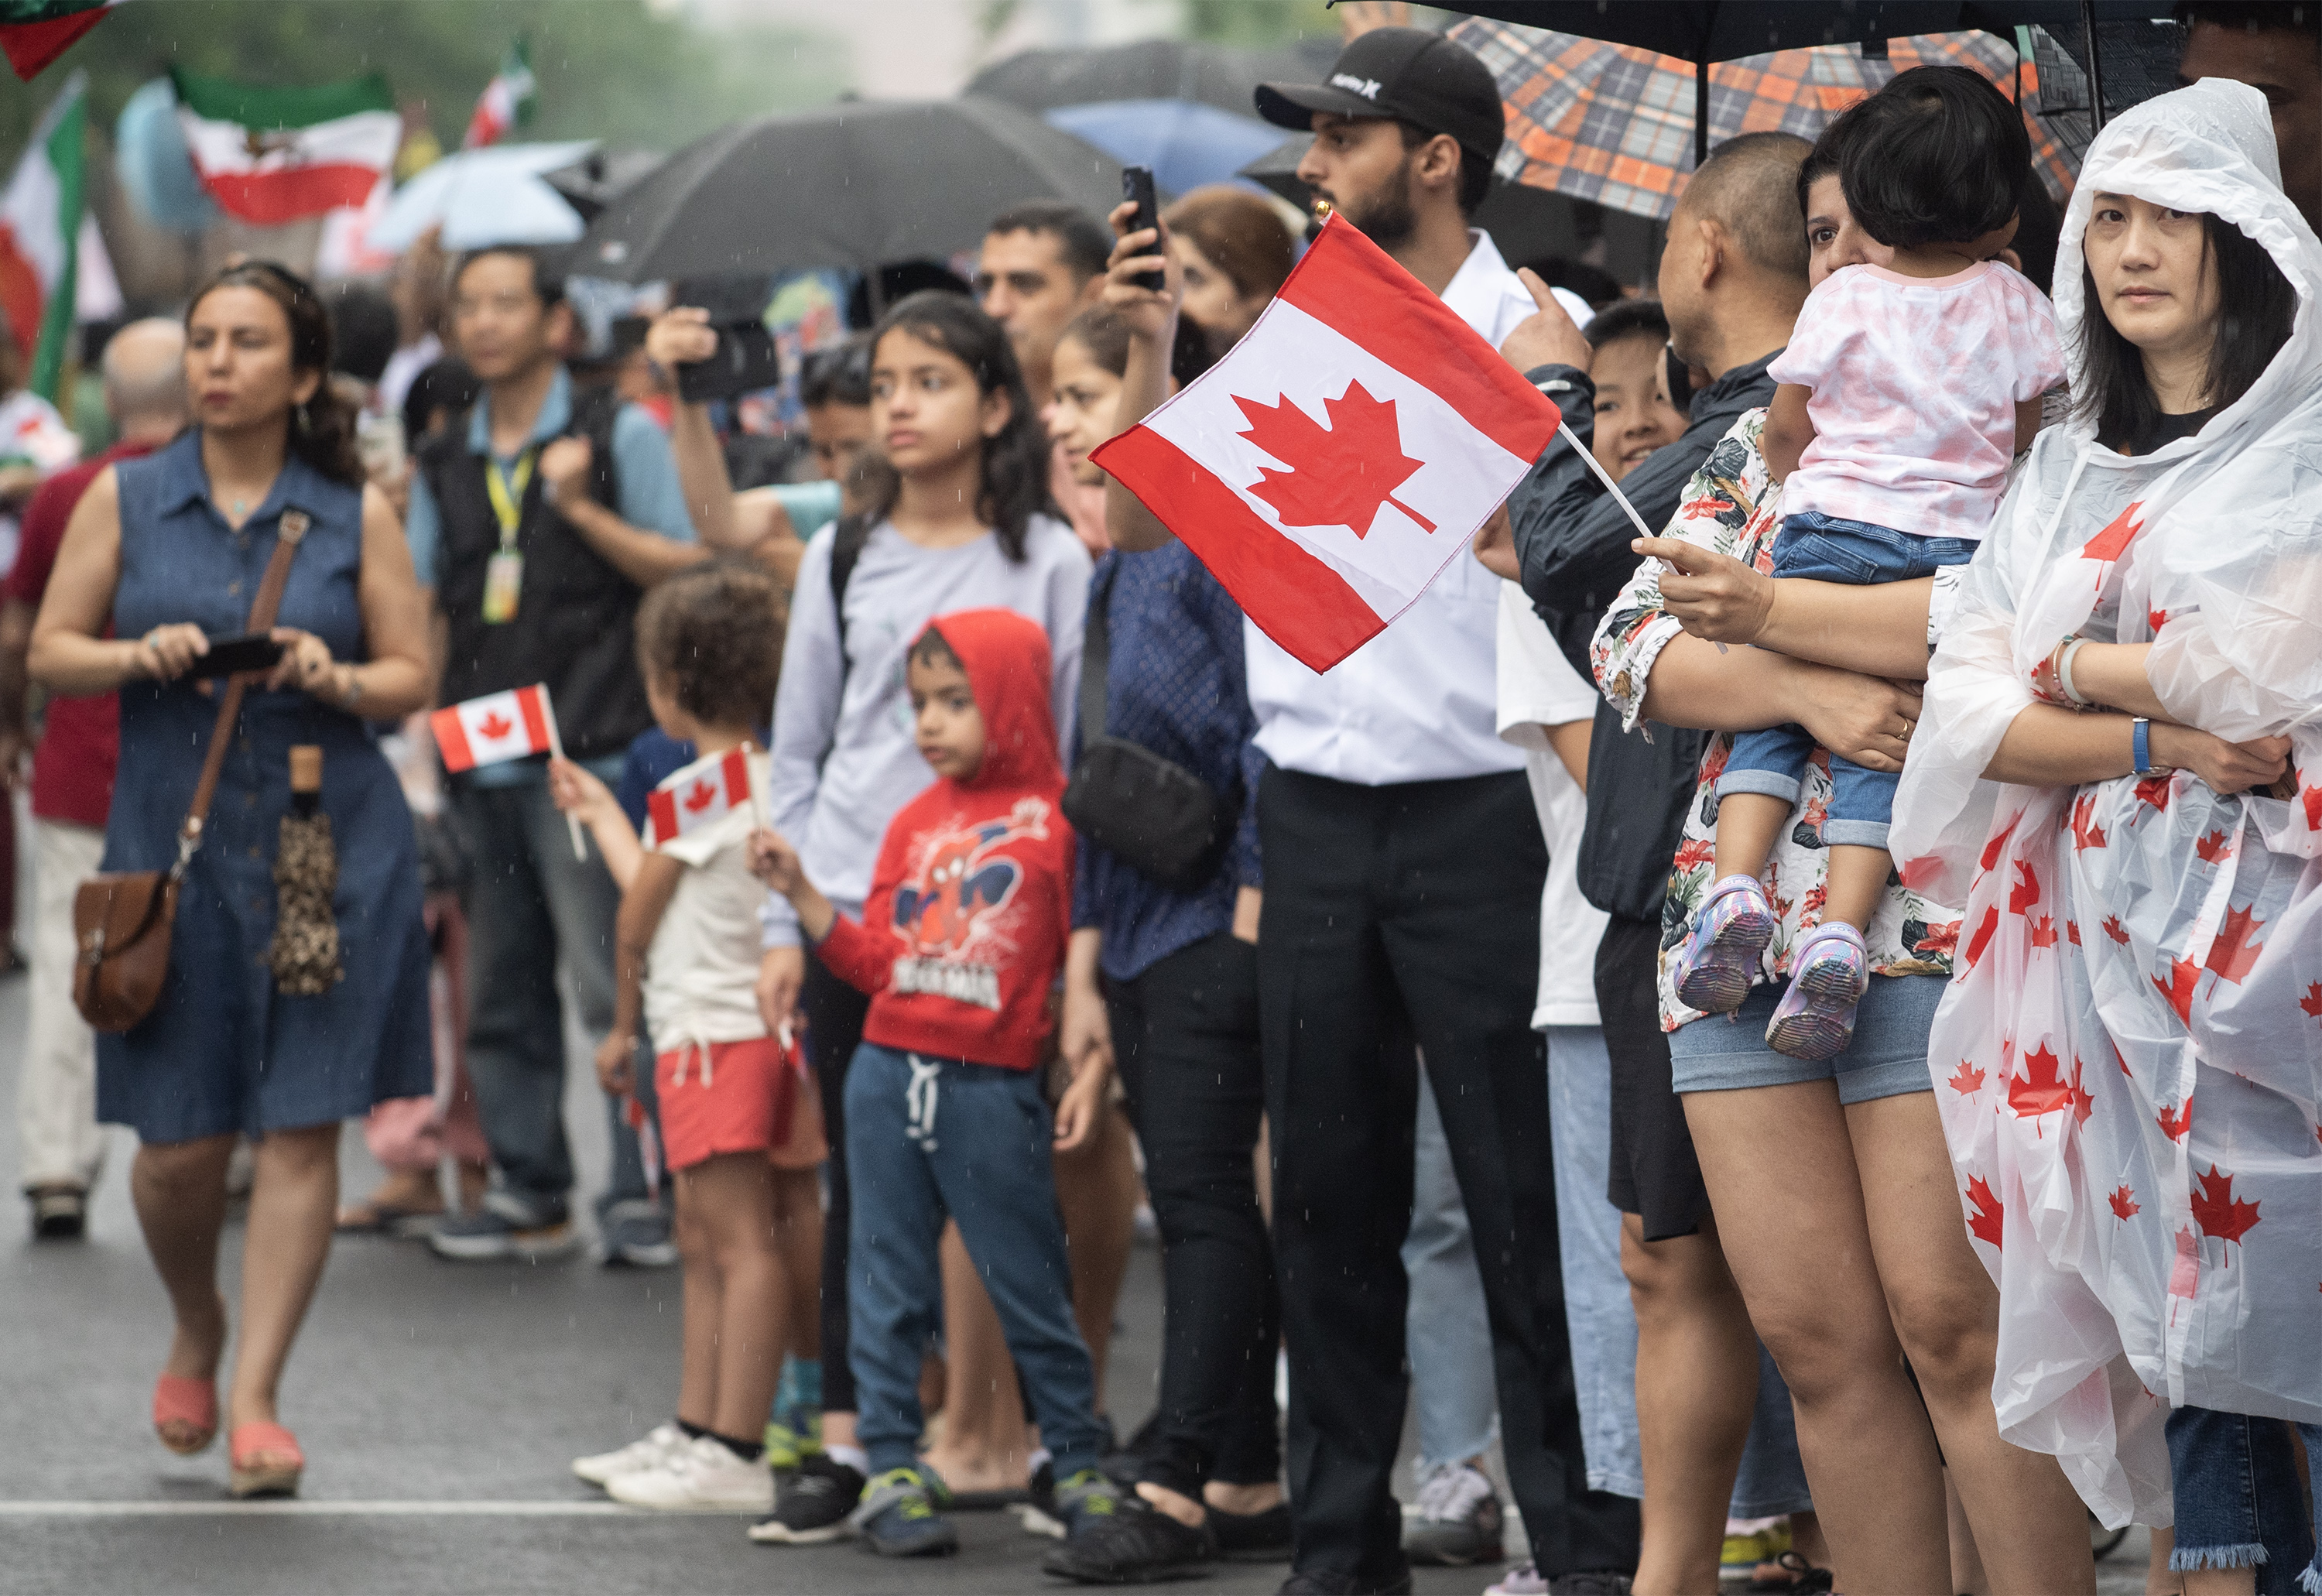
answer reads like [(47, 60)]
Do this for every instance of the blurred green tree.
[(621, 70)]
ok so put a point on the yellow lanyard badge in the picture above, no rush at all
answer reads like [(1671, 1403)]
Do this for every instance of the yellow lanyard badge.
[(504, 572)]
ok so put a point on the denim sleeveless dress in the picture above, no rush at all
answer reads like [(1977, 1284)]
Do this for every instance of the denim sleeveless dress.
[(222, 1051)]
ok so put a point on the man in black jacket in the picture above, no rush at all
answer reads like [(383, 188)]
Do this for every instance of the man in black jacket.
[(1732, 277)]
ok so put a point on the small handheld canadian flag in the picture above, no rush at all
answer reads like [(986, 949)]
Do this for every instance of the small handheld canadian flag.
[(1341, 454), (707, 789), (498, 727)]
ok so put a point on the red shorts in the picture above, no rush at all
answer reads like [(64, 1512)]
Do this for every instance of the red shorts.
[(731, 1097)]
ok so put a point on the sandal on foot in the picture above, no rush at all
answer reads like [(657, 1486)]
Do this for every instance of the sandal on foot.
[(266, 1460), (185, 1413), (375, 1217), (1726, 947), (1829, 972)]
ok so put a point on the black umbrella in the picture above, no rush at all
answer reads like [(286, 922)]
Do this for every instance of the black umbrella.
[(1220, 75), (1526, 223), (1707, 30), (856, 183), (599, 176)]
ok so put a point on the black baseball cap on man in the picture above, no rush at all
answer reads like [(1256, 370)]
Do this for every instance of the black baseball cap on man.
[(1410, 73)]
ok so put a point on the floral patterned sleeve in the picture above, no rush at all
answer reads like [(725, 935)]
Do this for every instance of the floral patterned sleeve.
[(1730, 504)]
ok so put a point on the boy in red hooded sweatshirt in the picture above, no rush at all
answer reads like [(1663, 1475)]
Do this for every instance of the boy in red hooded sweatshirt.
[(961, 939)]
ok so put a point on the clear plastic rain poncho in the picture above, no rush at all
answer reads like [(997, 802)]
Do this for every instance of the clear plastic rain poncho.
[(2128, 1060)]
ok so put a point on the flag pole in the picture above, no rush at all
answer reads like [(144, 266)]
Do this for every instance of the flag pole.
[(1564, 430), (556, 751)]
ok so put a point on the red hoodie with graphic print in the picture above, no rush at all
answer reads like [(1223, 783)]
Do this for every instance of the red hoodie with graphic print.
[(972, 896)]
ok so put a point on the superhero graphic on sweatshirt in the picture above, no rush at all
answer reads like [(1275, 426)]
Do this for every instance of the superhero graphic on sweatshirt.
[(970, 899)]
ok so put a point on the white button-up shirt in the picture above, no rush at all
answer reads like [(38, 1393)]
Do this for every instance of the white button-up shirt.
[(1416, 703)]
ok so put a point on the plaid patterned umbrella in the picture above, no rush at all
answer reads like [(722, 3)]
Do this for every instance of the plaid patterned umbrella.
[(1614, 123)]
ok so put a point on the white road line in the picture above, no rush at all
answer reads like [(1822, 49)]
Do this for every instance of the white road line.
[(279, 1507)]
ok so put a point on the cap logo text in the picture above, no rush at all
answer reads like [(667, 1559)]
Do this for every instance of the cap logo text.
[(1366, 86)]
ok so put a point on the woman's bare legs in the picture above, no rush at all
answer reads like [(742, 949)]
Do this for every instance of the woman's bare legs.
[(1697, 1386), (798, 1237), (293, 1208), (732, 1197), (698, 1293), (1799, 1246), (179, 1191), (2029, 1526), (983, 1444), (1097, 1190)]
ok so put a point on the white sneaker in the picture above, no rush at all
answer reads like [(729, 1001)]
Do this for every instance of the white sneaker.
[(703, 1475), (634, 1458)]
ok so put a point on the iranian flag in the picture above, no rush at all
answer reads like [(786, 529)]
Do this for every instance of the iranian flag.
[(508, 100), (495, 728), (273, 155), (706, 791), (35, 32), (40, 237), (1342, 454)]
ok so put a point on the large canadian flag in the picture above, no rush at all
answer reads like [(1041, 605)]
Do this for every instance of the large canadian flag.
[(494, 727), (1342, 454)]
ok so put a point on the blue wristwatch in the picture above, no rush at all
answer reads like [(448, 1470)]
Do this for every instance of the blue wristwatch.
[(2140, 743)]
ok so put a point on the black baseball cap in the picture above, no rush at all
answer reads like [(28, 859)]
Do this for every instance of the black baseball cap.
[(1412, 74)]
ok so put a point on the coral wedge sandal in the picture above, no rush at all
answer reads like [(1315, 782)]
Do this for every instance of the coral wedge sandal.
[(185, 1413), (266, 1460)]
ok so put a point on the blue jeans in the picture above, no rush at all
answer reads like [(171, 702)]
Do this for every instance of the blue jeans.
[(1773, 761), (1448, 1334), (930, 1138), (2235, 1482), (1604, 1321), (532, 903)]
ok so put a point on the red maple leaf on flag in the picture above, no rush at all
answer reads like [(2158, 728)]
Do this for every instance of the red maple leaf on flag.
[(2072, 932), (1982, 937), (701, 796), (1339, 476), (2233, 953), (2044, 932), (2156, 619), (2154, 790), (2212, 847), (2175, 1122), (2084, 1103), (2086, 832), (2025, 893), (1966, 1080), (2184, 975), (2124, 1203), (2219, 1211), (2313, 797), (2312, 1002), (1984, 1223), (2115, 930), (495, 726), (1997, 845), (2109, 543), (2041, 1088)]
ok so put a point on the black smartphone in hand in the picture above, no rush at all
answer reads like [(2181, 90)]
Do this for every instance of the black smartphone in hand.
[(231, 656), (1137, 187)]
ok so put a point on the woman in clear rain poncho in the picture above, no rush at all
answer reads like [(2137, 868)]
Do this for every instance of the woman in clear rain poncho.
[(2130, 1056)]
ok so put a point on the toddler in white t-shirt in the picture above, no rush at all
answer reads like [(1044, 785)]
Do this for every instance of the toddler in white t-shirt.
[(1905, 392)]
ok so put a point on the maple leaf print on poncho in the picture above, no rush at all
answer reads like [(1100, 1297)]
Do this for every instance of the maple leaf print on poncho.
[(1984, 1223), (2233, 952), (2312, 1002), (1339, 476), (2124, 1203), (2219, 1211), (1966, 1080), (2041, 1087)]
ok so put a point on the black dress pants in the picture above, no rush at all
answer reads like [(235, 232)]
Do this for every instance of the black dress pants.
[(1185, 1031), (834, 1012), (1401, 916)]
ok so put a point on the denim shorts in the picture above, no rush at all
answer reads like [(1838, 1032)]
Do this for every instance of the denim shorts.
[(1887, 1059)]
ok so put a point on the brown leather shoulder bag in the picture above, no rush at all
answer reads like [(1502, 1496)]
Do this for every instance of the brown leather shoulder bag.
[(121, 920)]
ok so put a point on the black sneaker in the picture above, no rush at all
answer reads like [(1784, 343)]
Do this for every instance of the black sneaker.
[(1252, 1537), (506, 1225), (1601, 1583), (813, 1506), (1344, 1585), (897, 1517), (1132, 1545), (1459, 1520), (59, 1213)]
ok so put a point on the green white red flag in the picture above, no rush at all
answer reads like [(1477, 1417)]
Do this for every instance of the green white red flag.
[(39, 236), (34, 33), (273, 155), (508, 101)]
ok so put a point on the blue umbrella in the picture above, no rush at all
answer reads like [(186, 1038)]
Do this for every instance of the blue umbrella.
[(1186, 143)]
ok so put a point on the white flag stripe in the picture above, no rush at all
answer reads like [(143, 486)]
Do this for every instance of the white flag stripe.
[(1465, 475), (366, 138)]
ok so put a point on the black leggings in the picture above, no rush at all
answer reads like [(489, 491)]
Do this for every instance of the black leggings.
[(1185, 1033), (835, 1012)]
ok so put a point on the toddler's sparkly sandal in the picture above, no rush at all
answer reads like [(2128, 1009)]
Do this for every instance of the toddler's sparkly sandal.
[(1828, 973), (1721, 954)]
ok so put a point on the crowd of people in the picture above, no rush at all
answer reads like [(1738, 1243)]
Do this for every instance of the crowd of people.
[(1589, 1016)]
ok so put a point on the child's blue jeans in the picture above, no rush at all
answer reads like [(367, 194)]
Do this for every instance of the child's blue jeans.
[(2238, 1501), (932, 1138), (1774, 761)]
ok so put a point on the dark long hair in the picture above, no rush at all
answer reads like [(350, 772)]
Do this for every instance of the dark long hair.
[(1016, 462), (321, 430), (2255, 308)]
